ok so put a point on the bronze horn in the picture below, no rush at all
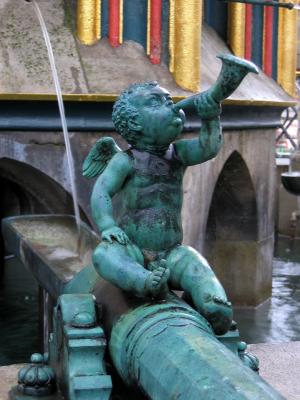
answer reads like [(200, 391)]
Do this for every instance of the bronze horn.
[(234, 70)]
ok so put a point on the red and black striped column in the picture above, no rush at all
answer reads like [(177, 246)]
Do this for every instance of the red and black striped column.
[(114, 23), (155, 48)]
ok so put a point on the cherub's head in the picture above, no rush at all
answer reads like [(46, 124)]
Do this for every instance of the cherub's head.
[(144, 113)]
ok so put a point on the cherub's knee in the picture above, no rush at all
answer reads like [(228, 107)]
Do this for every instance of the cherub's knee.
[(106, 260), (100, 257)]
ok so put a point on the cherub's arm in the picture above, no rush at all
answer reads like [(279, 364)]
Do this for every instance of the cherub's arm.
[(106, 186), (209, 142)]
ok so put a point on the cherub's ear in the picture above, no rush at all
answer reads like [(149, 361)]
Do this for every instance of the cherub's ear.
[(134, 124)]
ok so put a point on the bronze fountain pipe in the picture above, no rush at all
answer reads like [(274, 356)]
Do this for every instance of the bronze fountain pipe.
[(290, 6)]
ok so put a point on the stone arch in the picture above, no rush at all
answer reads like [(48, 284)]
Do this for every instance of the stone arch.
[(33, 190), (232, 230), (27, 190)]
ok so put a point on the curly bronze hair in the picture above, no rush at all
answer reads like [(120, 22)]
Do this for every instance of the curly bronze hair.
[(123, 111)]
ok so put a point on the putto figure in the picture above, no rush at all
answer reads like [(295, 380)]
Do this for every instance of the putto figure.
[(141, 248)]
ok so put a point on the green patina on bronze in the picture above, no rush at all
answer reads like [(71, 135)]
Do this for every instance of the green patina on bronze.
[(157, 341), (141, 249)]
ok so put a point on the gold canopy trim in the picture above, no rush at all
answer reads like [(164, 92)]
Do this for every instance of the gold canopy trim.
[(236, 28), (287, 49), (88, 21), (111, 97), (184, 42)]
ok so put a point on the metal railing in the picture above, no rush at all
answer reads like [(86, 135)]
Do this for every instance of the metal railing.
[(288, 134), (286, 138)]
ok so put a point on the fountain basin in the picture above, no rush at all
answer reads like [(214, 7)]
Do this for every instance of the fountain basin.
[(291, 182), (48, 245)]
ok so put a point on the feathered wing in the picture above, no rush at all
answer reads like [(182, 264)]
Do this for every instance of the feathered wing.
[(99, 156)]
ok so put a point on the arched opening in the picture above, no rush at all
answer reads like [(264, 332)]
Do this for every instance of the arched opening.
[(27, 190), (232, 230), (43, 194), (233, 205), (24, 190)]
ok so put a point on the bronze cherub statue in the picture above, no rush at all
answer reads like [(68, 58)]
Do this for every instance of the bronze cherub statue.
[(141, 249)]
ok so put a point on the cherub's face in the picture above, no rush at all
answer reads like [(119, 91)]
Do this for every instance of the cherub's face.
[(157, 119)]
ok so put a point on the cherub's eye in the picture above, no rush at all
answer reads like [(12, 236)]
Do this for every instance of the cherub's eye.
[(155, 101), (169, 100)]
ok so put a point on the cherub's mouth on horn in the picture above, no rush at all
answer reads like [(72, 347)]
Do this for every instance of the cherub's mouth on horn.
[(179, 117)]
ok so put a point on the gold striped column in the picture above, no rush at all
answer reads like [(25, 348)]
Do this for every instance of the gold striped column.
[(185, 42), (236, 28), (287, 49), (88, 21)]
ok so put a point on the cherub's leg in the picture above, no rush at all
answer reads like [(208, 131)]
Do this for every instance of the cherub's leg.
[(191, 272), (124, 267)]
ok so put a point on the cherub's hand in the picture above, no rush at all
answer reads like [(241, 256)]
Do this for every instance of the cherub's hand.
[(115, 233), (206, 106)]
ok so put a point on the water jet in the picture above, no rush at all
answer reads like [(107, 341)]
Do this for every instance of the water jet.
[(61, 112)]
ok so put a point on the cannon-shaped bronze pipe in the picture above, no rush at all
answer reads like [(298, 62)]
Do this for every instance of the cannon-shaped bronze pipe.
[(277, 4), (170, 352)]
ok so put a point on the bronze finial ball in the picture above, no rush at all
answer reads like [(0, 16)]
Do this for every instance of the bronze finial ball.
[(36, 378)]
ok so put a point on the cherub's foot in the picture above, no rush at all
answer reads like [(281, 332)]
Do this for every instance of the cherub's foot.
[(218, 311), (157, 282)]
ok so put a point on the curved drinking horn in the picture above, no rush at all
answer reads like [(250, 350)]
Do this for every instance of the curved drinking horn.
[(234, 70)]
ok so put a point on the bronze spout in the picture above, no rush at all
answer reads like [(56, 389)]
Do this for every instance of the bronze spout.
[(290, 6)]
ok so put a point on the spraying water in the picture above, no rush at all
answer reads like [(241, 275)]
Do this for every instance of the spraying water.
[(61, 111)]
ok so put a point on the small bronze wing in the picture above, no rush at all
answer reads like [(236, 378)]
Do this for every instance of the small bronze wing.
[(99, 156)]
